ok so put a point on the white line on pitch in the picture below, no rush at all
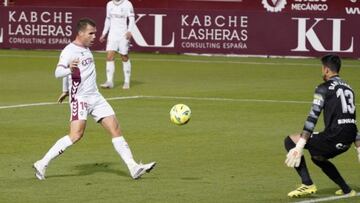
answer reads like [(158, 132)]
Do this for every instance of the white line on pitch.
[(331, 198), (28, 105), (176, 60), (169, 97), (225, 99), (53, 103)]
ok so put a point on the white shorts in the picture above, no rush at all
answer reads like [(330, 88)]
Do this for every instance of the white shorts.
[(96, 106), (121, 46)]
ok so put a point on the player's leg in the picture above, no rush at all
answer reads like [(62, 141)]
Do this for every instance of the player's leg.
[(104, 114), (321, 150), (111, 47), (111, 124), (302, 170), (121, 146), (127, 71), (331, 171), (76, 132), (124, 50), (307, 186)]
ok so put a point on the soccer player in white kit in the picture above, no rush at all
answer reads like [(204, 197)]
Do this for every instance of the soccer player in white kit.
[(119, 35), (77, 68)]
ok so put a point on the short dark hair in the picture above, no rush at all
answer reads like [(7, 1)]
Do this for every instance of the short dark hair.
[(83, 22), (333, 62)]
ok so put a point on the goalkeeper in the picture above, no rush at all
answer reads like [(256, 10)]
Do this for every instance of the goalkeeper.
[(337, 101)]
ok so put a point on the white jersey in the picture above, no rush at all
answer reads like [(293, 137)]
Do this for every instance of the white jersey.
[(82, 81), (116, 20)]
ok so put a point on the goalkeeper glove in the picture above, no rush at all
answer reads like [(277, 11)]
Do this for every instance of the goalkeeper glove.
[(293, 158)]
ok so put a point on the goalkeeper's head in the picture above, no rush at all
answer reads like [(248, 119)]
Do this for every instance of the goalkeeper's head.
[(331, 65)]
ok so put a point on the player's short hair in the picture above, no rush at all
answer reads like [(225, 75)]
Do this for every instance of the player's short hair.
[(333, 62), (83, 22)]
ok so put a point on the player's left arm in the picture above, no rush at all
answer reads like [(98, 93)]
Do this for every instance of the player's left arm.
[(293, 158), (131, 16), (65, 90), (62, 97)]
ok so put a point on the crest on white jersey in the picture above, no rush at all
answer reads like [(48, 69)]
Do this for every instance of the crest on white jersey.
[(118, 2), (275, 6)]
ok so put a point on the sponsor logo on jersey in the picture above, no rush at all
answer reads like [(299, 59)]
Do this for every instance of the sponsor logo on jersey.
[(306, 5), (274, 5), (346, 121), (341, 146), (87, 61)]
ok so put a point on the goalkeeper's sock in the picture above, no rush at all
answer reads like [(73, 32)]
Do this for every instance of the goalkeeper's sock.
[(330, 170), (57, 149), (289, 144), (303, 172), (302, 169), (123, 149)]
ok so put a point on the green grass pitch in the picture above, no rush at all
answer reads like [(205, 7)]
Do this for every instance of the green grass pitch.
[(231, 150)]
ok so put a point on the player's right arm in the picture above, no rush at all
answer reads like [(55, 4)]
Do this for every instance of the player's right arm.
[(62, 68), (131, 17), (63, 71), (293, 158), (66, 65), (315, 111)]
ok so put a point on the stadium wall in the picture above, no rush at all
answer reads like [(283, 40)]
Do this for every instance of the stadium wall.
[(267, 27)]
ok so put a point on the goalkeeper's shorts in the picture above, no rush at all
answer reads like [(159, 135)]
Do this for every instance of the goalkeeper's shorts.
[(323, 145)]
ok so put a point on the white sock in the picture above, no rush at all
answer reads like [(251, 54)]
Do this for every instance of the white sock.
[(110, 70), (57, 149), (122, 148), (127, 71)]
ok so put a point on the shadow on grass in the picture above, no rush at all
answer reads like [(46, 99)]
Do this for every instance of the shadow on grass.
[(89, 169)]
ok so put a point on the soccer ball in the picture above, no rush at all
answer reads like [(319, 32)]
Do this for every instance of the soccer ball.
[(180, 114)]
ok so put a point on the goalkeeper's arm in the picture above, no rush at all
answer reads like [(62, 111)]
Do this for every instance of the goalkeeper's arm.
[(293, 158)]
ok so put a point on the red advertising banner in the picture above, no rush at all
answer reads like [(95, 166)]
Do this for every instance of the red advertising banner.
[(276, 27)]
